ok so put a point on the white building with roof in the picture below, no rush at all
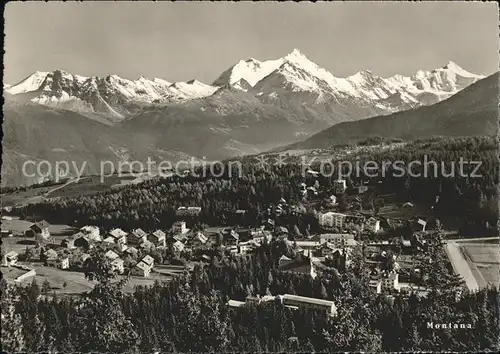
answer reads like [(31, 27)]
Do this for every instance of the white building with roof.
[(331, 219), (302, 301), (338, 240), (92, 232)]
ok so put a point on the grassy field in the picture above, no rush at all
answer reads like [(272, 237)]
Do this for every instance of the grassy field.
[(19, 243), (75, 281), (23, 197), (392, 209), (85, 186), (482, 253), (484, 262), (89, 186)]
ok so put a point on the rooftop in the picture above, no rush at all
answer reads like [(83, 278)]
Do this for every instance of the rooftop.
[(309, 300)]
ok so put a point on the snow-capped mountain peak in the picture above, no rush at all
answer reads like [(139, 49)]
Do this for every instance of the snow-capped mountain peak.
[(292, 78), (250, 70), (111, 96), (28, 84), (161, 81), (360, 77), (456, 69)]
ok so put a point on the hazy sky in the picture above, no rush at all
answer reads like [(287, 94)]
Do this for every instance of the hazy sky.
[(181, 41)]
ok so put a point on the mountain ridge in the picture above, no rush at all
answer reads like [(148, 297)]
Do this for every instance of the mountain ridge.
[(118, 98), (472, 111), (251, 109)]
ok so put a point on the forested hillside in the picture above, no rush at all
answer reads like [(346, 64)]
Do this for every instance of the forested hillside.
[(469, 202)]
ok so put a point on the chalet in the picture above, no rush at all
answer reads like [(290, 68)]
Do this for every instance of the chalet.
[(339, 259), (158, 238), (339, 186), (116, 261), (311, 191), (178, 246), (119, 236), (179, 227), (331, 219), (199, 240), (137, 236), (309, 302), (10, 258), (7, 233), (146, 245), (83, 257), (194, 211), (50, 254), (188, 211), (325, 249), (390, 282), (284, 260), (39, 230), (301, 265), (338, 240), (373, 224), (355, 219), (282, 231), (422, 223), (148, 260), (406, 243), (69, 242), (235, 303), (331, 200), (375, 285), (206, 258), (269, 224), (132, 251), (180, 237), (109, 239), (307, 246), (246, 247), (111, 255), (118, 265), (92, 232), (259, 236), (141, 269), (230, 237), (82, 241), (58, 262)]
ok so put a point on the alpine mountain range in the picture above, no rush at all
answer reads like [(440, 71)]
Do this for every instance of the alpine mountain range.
[(253, 106)]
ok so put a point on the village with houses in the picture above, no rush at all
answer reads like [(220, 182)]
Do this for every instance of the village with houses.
[(150, 256)]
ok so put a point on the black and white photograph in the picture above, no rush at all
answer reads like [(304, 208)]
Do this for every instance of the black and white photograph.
[(250, 177)]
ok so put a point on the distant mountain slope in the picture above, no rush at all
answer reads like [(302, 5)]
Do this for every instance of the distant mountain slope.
[(472, 111), (230, 122), (34, 132)]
